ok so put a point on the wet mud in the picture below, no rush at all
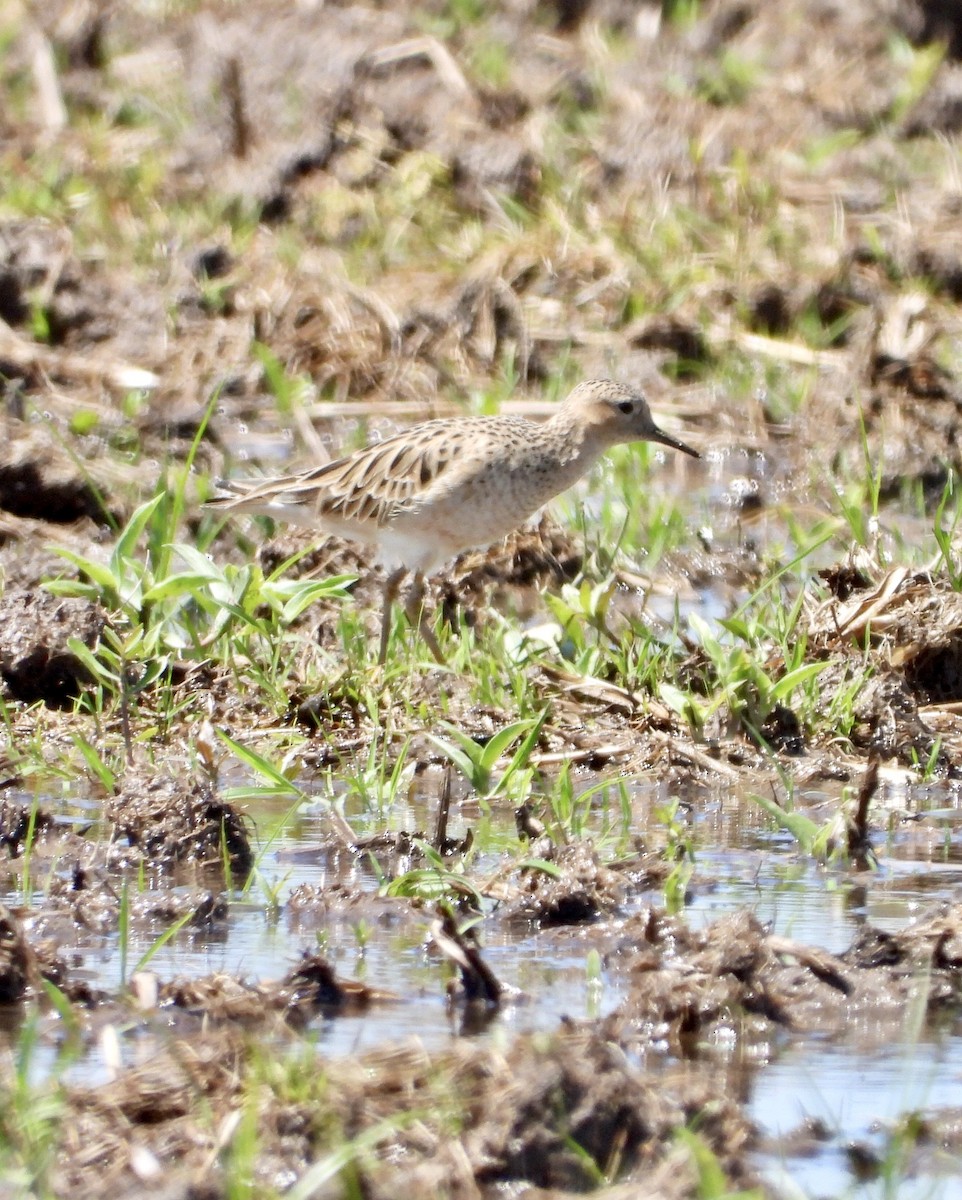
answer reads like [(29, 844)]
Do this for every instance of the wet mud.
[(732, 985)]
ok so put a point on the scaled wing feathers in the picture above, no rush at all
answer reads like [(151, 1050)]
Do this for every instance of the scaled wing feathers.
[(370, 486)]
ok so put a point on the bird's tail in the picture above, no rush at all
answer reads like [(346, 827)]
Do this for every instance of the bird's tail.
[(261, 498)]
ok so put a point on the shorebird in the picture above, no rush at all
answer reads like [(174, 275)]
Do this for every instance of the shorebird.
[(424, 495)]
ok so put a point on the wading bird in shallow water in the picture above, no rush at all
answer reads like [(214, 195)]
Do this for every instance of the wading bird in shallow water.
[(426, 494)]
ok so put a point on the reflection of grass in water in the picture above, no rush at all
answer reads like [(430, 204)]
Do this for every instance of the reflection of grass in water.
[(883, 1148), (32, 1112)]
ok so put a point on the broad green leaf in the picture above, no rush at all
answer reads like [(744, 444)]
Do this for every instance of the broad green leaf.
[(259, 764), (788, 683), (313, 592), (523, 752), (102, 575), (200, 563), (803, 829), (95, 764), (738, 627), (466, 764), (430, 853), (542, 865), (131, 533), (186, 584), (254, 791), (500, 741), (71, 587), (94, 666), (704, 633)]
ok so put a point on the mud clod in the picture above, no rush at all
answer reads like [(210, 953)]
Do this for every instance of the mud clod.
[(688, 984), (782, 731), (917, 619), (580, 1090), (36, 662), (478, 983), (582, 891), (928, 21), (38, 480), (683, 339), (19, 823), (18, 970), (313, 986), (532, 1121), (771, 310), (162, 822)]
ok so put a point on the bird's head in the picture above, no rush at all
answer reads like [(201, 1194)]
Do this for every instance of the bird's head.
[(614, 413)]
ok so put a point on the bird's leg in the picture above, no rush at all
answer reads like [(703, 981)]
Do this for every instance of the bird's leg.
[(414, 610), (392, 585)]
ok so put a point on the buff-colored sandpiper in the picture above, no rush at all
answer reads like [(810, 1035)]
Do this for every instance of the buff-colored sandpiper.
[(424, 495)]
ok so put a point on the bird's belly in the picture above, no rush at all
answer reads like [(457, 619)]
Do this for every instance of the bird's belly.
[(475, 516)]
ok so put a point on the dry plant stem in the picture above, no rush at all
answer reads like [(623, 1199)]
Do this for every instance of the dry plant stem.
[(50, 102), (240, 125), (125, 720), (444, 808), (85, 368), (859, 843), (478, 979)]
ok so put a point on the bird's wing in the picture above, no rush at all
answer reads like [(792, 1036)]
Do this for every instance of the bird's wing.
[(371, 485)]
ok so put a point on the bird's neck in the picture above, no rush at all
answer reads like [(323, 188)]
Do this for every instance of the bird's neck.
[(578, 445)]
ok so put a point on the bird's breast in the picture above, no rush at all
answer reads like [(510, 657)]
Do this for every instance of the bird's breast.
[(486, 506)]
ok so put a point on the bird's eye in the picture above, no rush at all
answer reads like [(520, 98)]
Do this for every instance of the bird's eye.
[(626, 407)]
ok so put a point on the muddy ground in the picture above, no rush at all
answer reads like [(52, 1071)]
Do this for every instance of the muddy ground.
[(752, 210)]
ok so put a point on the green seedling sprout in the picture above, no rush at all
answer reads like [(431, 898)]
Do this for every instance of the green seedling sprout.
[(477, 762), (279, 786)]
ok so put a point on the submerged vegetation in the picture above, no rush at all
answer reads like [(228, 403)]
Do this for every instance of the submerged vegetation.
[(236, 239)]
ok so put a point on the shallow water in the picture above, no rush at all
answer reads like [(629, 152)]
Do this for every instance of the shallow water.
[(740, 863), (857, 1093)]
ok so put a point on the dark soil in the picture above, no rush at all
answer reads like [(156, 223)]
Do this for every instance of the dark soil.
[(36, 661)]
